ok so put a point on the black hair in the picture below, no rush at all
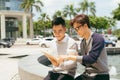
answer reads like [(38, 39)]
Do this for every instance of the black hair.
[(58, 21)]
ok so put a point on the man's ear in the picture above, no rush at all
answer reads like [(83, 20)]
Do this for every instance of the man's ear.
[(86, 26), (65, 29)]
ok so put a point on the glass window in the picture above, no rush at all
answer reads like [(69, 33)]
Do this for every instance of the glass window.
[(7, 0), (7, 8), (11, 5)]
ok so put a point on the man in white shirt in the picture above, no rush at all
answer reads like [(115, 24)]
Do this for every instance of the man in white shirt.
[(62, 45)]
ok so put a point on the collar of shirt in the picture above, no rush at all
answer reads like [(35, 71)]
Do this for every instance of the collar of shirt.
[(64, 40), (89, 37)]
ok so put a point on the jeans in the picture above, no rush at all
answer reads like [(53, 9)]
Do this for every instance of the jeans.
[(58, 76), (97, 77)]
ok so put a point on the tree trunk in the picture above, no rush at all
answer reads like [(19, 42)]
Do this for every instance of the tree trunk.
[(31, 27)]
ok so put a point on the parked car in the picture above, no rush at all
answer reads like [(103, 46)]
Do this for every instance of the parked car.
[(33, 41), (111, 37), (11, 40), (46, 42), (110, 43), (39, 36), (5, 44), (76, 38)]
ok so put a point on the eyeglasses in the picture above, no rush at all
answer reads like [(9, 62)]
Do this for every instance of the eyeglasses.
[(77, 28)]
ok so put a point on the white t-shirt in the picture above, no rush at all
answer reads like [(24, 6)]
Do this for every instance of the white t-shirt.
[(65, 47)]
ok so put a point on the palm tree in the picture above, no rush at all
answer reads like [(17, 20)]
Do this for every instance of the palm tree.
[(70, 11), (28, 5), (92, 8), (86, 6), (35, 24), (44, 18), (116, 13), (58, 14)]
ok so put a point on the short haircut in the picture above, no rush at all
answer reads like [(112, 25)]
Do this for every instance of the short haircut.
[(58, 21), (82, 19)]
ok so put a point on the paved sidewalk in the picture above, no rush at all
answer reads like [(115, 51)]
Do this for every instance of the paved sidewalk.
[(9, 66), (8, 69)]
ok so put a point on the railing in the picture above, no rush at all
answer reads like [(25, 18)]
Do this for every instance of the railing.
[(113, 50)]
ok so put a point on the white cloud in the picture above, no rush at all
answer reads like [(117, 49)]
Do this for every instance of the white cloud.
[(116, 1), (105, 7), (53, 5)]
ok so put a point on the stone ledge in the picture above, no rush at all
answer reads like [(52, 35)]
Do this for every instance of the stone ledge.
[(31, 69)]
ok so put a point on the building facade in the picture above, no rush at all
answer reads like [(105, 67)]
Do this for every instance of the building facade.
[(11, 16)]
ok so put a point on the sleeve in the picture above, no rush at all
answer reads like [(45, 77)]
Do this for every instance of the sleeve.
[(72, 49), (70, 64), (74, 46), (97, 46), (67, 65)]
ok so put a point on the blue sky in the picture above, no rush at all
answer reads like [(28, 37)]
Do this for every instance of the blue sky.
[(103, 7)]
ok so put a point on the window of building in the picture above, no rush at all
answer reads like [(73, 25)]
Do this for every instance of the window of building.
[(7, 8), (7, 0), (2, 4)]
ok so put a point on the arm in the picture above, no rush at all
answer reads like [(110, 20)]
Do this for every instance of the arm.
[(52, 59), (97, 46), (69, 64)]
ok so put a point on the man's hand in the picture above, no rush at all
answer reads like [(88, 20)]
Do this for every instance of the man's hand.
[(52, 59), (61, 58), (67, 57), (71, 57), (54, 62)]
